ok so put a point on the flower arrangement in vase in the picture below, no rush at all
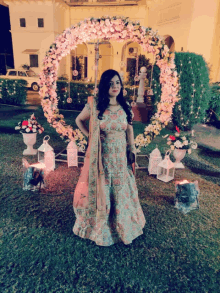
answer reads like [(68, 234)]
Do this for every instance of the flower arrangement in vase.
[(29, 129), (179, 144), (29, 126)]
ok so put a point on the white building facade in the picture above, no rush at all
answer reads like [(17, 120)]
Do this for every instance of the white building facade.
[(185, 24)]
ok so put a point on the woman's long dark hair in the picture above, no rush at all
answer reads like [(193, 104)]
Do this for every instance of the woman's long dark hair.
[(103, 96)]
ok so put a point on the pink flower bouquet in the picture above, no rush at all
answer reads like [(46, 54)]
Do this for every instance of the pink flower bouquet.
[(29, 126), (180, 141)]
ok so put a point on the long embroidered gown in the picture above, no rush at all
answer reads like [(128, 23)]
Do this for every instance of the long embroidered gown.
[(125, 219)]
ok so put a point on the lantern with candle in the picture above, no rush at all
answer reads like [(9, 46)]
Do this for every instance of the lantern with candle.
[(187, 194), (155, 159), (166, 169), (33, 176), (46, 155), (72, 154)]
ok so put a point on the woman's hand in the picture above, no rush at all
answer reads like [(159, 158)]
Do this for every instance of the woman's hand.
[(131, 157)]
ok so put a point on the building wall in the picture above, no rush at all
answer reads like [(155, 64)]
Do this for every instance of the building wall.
[(215, 50), (77, 14), (57, 17), (194, 26), (31, 36), (173, 18)]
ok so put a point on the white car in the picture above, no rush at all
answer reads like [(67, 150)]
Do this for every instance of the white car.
[(29, 75)]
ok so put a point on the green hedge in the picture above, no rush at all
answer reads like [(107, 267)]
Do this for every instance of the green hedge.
[(156, 87), (79, 93), (214, 104), (199, 76), (193, 70), (13, 92)]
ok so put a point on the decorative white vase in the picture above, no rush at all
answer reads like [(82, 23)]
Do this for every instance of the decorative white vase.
[(29, 140), (179, 154)]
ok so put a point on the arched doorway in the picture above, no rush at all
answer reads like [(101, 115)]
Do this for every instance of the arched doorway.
[(169, 41), (130, 51), (82, 54)]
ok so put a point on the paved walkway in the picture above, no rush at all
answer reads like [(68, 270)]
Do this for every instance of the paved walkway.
[(207, 136), (206, 162)]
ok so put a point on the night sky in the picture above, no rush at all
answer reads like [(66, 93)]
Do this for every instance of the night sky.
[(5, 39)]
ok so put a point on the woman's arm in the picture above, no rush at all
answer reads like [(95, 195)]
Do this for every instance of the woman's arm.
[(130, 137), (80, 121)]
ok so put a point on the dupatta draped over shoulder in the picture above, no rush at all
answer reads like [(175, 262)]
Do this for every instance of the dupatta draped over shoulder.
[(89, 196)]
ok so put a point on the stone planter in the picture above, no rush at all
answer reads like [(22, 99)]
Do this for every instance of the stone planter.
[(29, 140), (179, 154)]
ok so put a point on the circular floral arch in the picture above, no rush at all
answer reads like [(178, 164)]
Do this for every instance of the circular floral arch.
[(119, 29)]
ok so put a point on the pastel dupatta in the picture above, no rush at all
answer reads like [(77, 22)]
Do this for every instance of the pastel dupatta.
[(89, 196)]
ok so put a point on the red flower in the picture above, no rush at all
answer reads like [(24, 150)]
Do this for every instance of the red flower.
[(172, 137), (24, 123), (177, 129)]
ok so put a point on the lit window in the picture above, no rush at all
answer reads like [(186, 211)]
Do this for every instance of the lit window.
[(33, 60), (40, 22), (131, 63), (22, 22)]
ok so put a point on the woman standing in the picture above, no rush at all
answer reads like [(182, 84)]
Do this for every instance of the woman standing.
[(106, 200)]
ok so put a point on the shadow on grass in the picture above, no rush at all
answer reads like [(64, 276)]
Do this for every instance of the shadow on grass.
[(207, 152), (7, 130), (52, 212), (10, 112), (202, 167)]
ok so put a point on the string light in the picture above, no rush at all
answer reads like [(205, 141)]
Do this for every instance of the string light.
[(185, 123)]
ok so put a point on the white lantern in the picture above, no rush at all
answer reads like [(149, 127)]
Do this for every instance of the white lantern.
[(155, 159), (165, 169), (46, 155), (72, 154)]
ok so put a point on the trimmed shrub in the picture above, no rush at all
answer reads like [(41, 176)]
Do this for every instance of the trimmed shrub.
[(193, 70), (156, 87), (195, 91), (79, 93), (214, 104), (13, 92)]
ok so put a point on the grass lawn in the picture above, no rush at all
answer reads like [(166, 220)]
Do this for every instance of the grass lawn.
[(40, 253)]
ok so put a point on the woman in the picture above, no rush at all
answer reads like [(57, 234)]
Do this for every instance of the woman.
[(106, 200)]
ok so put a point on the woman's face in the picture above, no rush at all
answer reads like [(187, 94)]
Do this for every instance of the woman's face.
[(115, 87)]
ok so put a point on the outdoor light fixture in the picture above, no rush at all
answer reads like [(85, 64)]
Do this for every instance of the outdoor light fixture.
[(72, 154), (46, 155), (165, 169), (155, 159), (187, 193)]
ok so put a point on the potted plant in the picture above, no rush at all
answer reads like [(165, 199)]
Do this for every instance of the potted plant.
[(29, 129), (179, 144)]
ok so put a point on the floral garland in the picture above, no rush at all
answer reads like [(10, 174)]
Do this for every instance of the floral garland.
[(119, 29)]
